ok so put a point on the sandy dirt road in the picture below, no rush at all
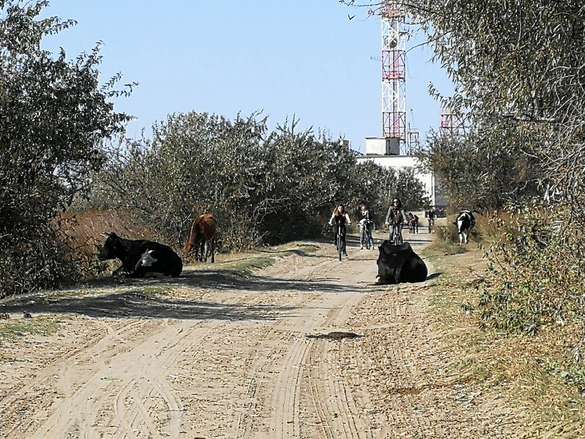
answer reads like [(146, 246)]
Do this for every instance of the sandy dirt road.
[(220, 357)]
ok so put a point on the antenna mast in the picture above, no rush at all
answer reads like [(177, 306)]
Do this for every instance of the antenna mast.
[(394, 77)]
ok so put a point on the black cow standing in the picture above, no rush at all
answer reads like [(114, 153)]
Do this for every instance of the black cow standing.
[(399, 263), (141, 256)]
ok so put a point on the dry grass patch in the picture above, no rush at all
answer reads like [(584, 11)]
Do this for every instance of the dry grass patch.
[(534, 376)]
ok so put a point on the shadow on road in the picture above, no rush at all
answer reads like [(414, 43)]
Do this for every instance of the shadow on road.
[(145, 298), (136, 304), (150, 298)]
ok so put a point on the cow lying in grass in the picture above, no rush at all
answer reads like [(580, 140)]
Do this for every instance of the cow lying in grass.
[(140, 256), (399, 263)]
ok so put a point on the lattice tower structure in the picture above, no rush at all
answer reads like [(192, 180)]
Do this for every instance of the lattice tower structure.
[(413, 142), (452, 124), (394, 74)]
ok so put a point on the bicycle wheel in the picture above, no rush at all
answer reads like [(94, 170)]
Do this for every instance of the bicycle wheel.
[(339, 245), (396, 236)]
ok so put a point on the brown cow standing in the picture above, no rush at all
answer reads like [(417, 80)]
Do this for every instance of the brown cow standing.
[(202, 238)]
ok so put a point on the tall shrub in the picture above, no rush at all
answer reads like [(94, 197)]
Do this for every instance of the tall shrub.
[(54, 116)]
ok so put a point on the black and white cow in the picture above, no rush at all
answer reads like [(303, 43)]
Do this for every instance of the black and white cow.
[(141, 256), (399, 263), (465, 222)]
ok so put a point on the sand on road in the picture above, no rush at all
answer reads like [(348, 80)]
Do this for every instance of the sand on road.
[(211, 357)]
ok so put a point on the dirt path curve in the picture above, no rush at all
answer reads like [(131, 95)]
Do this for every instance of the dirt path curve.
[(203, 359)]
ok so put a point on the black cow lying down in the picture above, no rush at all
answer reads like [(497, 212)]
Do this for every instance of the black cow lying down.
[(399, 263), (140, 256)]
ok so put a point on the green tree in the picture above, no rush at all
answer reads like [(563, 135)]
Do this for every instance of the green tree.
[(519, 70), (54, 117)]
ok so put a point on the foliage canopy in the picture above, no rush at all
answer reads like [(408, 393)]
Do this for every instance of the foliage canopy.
[(54, 117)]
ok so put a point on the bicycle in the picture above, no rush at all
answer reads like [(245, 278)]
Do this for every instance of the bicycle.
[(396, 235), (366, 234), (340, 239)]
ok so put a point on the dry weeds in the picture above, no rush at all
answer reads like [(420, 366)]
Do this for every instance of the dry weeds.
[(526, 374)]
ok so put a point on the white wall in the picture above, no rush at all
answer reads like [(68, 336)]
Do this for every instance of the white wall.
[(398, 162), (375, 145), (382, 146)]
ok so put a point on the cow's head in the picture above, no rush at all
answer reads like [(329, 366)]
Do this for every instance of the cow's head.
[(195, 238), (188, 246), (111, 247), (147, 259)]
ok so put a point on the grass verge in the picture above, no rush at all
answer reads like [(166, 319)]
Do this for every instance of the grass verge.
[(39, 325), (443, 248), (534, 376), (247, 264)]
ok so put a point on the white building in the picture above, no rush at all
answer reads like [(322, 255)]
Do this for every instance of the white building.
[(384, 152)]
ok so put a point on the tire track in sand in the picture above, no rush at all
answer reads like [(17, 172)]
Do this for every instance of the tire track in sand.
[(335, 408), (98, 346), (307, 371)]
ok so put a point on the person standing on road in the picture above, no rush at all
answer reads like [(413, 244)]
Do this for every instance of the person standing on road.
[(395, 218)]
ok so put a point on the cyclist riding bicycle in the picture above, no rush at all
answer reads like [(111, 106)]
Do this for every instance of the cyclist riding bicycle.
[(340, 219), (366, 225), (395, 218)]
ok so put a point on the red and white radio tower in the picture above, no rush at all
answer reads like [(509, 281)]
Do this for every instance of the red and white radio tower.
[(394, 76), (452, 124)]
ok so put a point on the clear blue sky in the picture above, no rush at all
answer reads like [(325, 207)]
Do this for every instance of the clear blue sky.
[(284, 57)]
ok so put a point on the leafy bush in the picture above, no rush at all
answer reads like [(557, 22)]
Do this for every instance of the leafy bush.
[(54, 115), (447, 233), (536, 273), (477, 172)]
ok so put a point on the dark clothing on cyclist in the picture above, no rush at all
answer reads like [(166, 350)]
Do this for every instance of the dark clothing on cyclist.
[(412, 222), (430, 215), (366, 225), (366, 215), (394, 216), (339, 220), (366, 219)]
